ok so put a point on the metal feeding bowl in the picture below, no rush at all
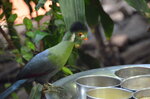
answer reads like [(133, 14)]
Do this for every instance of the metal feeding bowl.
[(109, 93), (142, 94), (136, 83), (91, 82), (69, 84), (132, 71)]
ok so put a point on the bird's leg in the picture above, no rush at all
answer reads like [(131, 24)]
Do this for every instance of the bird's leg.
[(48, 87)]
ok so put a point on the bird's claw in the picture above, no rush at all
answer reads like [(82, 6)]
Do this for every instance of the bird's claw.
[(52, 89)]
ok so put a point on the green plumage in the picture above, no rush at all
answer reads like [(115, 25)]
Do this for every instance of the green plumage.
[(47, 63), (61, 53)]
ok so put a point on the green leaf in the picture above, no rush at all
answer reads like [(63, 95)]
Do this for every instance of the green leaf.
[(36, 92), (39, 36), (72, 11), (14, 95), (2, 15), (15, 51), (107, 22), (140, 5), (12, 18), (59, 22), (19, 60), (30, 34), (30, 45), (55, 1), (38, 18), (26, 53), (28, 23), (40, 4), (27, 56), (96, 14), (7, 85), (92, 12), (67, 71)]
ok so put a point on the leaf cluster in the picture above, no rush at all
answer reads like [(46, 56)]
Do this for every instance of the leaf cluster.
[(50, 33)]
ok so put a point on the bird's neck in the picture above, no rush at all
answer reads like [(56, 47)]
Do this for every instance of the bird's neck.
[(61, 52), (69, 37)]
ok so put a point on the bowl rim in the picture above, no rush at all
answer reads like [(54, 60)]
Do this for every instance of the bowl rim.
[(124, 68), (131, 78), (89, 86), (140, 91), (116, 88)]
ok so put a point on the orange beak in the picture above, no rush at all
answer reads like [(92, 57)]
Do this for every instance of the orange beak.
[(82, 36)]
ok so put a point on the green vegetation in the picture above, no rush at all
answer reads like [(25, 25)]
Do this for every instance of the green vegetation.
[(51, 33)]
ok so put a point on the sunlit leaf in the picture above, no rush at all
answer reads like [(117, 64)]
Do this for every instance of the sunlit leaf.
[(30, 45), (67, 71), (28, 23), (7, 85), (12, 18), (19, 60)]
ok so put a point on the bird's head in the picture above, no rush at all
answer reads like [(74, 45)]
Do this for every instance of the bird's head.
[(79, 29), (77, 33)]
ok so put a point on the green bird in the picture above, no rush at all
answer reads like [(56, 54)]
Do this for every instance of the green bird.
[(47, 63)]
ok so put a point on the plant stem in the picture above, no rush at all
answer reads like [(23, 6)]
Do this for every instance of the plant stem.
[(10, 43)]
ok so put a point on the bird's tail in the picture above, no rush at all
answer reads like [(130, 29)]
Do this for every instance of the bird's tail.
[(13, 88)]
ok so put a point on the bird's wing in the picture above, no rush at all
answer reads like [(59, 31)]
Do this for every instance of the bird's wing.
[(38, 66)]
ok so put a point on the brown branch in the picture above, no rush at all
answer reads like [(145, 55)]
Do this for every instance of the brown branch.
[(108, 54), (41, 45), (10, 44), (101, 45)]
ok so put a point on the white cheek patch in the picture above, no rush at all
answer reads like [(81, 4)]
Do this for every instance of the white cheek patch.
[(82, 36), (73, 37)]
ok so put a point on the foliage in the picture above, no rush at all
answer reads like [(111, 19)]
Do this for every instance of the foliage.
[(140, 5), (96, 14), (36, 92), (50, 33)]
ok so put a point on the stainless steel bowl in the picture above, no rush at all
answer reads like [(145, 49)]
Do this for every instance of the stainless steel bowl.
[(108, 93), (132, 71), (142, 94), (136, 83), (91, 82)]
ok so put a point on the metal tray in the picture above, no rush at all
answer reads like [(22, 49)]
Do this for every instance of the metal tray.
[(68, 83)]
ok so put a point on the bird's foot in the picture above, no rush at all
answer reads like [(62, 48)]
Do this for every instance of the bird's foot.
[(52, 89)]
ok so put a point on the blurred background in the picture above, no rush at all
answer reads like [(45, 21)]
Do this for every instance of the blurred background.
[(25, 31)]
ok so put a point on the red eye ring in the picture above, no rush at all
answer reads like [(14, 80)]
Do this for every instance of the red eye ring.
[(80, 34)]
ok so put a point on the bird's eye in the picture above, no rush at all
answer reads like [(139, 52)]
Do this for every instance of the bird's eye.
[(80, 34)]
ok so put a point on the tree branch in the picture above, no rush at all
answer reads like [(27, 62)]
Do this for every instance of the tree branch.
[(10, 44)]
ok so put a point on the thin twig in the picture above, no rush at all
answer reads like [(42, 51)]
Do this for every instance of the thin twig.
[(101, 45), (10, 44)]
